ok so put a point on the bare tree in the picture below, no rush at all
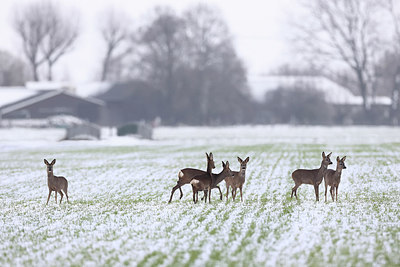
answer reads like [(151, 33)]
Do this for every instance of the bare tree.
[(30, 25), (344, 31), (161, 53), (116, 34), (46, 34), (13, 71), (207, 37), (191, 67), (392, 62), (61, 33)]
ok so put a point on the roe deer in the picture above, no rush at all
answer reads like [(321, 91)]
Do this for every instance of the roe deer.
[(237, 180), (186, 175), (313, 177), (332, 178), (55, 183), (205, 182)]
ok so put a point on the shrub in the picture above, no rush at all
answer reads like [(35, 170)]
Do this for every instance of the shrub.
[(127, 129)]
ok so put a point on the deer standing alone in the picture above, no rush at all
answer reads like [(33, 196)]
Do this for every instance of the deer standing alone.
[(205, 182), (237, 180), (332, 178), (55, 183), (186, 175), (313, 177)]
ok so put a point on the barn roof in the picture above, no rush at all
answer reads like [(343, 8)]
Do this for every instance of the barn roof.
[(334, 93), (15, 99), (89, 89), (10, 95)]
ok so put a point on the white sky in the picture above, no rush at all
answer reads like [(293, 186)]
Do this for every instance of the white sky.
[(260, 29)]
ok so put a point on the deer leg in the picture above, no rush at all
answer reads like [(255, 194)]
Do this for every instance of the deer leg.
[(294, 190), (180, 190), (48, 197), (220, 193), (326, 189), (332, 192), (61, 195), (204, 193), (197, 196), (66, 194), (209, 195), (227, 192), (241, 196), (173, 191), (234, 194), (194, 195), (336, 191), (205, 196), (55, 195), (316, 189)]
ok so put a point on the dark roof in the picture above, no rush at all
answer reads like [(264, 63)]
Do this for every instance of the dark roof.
[(122, 91)]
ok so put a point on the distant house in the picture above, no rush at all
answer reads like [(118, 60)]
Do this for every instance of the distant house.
[(334, 93), (347, 104), (40, 102), (130, 101)]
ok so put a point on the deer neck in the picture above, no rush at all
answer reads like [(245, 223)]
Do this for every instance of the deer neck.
[(322, 169), (217, 178), (338, 172), (209, 169), (50, 175)]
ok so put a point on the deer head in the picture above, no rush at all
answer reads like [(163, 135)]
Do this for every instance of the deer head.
[(340, 163), (243, 163), (326, 159), (226, 171), (50, 165), (210, 160)]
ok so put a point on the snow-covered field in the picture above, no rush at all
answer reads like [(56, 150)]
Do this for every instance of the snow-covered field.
[(119, 187)]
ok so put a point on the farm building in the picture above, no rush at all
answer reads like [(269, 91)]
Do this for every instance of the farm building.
[(334, 93), (36, 101), (130, 101), (346, 103)]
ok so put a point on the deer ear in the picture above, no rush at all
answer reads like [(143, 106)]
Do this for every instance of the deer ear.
[(323, 154), (227, 164), (329, 154), (46, 162), (344, 158), (211, 156), (247, 159), (207, 155), (337, 159), (240, 160), (53, 162), (223, 165)]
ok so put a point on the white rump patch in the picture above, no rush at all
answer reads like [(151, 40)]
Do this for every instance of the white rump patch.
[(180, 174), (194, 182)]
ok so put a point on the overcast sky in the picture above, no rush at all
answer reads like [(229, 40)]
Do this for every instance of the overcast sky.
[(260, 30)]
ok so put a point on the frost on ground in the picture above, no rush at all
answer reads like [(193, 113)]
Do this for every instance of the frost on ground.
[(119, 188)]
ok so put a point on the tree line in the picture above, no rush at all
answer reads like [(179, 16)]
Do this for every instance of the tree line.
[(191, 68), (187, 60), (361, 39)]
